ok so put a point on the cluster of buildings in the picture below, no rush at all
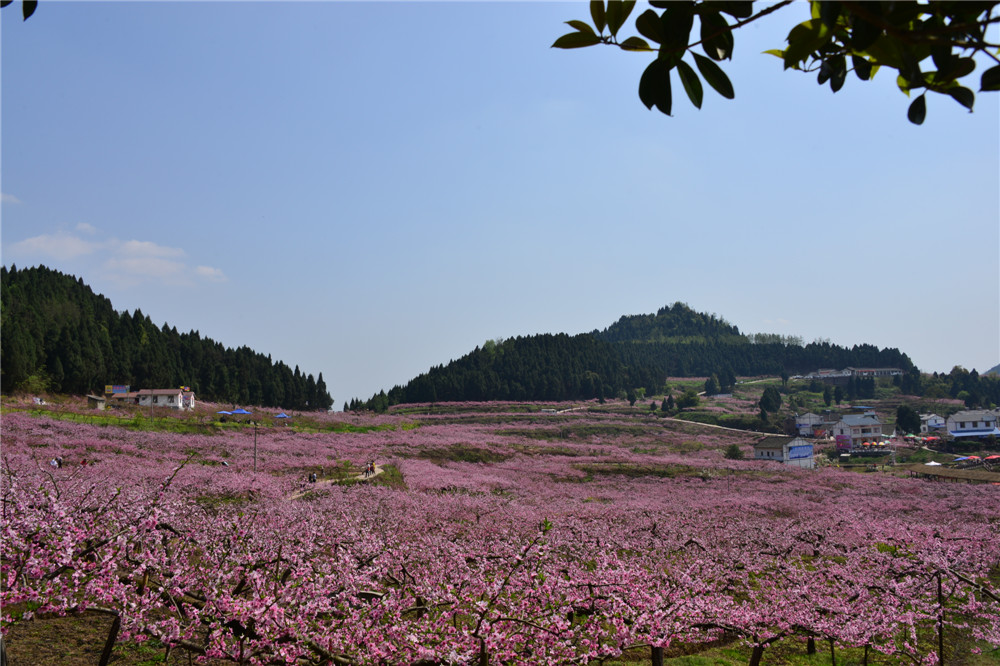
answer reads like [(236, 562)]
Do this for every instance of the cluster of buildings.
[(179, 398), (864, 431), (851, 429), (841, 377)]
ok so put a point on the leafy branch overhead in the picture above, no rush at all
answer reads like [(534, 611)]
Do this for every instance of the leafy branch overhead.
[(932, 46)]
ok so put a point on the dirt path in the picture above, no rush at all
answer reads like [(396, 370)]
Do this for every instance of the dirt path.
[(309, 487)]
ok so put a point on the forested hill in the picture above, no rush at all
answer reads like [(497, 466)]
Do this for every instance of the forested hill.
[(58, 335), (638, 351), (670, 324)]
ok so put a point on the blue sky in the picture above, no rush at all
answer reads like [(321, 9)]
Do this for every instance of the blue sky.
[(370, 189)]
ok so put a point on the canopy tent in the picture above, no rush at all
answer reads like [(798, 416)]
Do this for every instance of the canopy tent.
[(282, 415), (224, 412), (960, 459), (933, 464), (992, 458), (240, 411)]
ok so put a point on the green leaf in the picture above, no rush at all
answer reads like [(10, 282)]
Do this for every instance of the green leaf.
[(581, 27), (918, 110), (963, 96), (648, 25), (863, 33), (675, 24), (714, 76), (597, 13), (829, 12), (776, 52), (990, 79), (803, 40), (838, 74), (692, 85), (963, 67), (617, 13), (576, 40), (635, 44), (716, 36), (654, 86), (862, 68)]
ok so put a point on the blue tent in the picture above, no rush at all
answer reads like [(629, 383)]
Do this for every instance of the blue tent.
[(224, 412), (240, 411), (282, 415)]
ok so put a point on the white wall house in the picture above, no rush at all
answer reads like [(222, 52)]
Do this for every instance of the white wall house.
[(852, 430), (931, 423), (806, 424), (169, 398), (973, 423), (793, 451)]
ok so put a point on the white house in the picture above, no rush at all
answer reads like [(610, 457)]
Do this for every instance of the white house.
[(973, 423), (170, 398), (854, 429), (931, 423), (793, 451), (807, 423)]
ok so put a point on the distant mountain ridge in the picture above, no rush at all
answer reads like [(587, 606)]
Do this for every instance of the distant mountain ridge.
[(59, 335), (637, 351)]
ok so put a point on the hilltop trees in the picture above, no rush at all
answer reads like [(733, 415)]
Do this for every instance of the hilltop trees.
[(637, 353)]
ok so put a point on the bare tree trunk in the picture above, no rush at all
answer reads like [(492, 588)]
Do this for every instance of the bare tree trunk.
[(657, 656), (484, 659), (940, 622), (833, 657), (758, 652), (811, 645), (109, 644)]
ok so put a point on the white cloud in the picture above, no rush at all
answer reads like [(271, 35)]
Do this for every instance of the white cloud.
[(127, 263), (135, 248), (209, 273), (9, 198), (59, 246)]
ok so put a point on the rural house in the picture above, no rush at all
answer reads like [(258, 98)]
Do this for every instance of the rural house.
[(852, 430), (931, 423), (973, 423), (807, 424), (171, 398), (793, 451)]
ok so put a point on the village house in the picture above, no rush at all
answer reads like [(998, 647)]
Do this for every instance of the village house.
[(931, 423), (973, 423), (852, 430), (170, 398), (807, 424), (793, 451)]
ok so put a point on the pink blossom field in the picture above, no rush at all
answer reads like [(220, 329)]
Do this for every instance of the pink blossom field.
[(491, 536)]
